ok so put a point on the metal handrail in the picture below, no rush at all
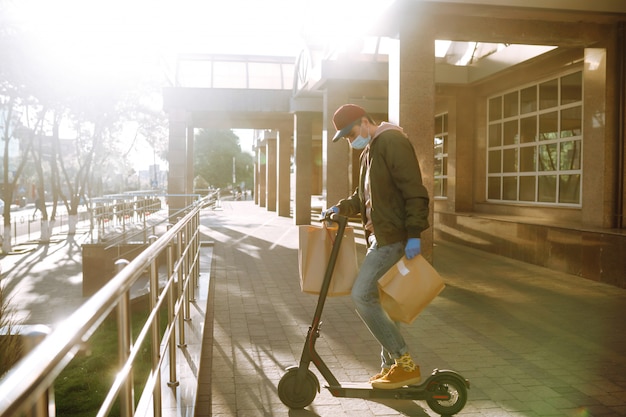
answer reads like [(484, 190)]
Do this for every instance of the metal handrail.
[(33, 377)]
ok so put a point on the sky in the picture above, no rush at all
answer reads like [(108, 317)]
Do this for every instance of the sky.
[(135, 31), (134, 37)]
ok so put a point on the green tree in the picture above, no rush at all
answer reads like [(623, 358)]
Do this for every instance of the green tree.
[(244, 168), (216, 152)]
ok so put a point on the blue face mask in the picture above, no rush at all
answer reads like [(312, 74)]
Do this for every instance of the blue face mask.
[(360, 142)]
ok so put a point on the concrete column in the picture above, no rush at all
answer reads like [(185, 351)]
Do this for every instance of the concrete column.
[(283, 172), (270, 170), (598, 198), (337, 155), (303, 140), (177, 160), (461, 151), (261, 169), (412, 98)]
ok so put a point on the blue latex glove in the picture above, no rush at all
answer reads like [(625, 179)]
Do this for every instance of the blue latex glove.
[(329, 211), (413, 247)]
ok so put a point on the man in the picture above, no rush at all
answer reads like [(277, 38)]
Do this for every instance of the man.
[(393, 204)]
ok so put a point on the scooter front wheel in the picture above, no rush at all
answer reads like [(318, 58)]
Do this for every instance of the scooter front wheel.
[(448, 395), (297, 395)]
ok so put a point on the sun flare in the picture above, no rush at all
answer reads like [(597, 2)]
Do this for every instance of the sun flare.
[(116, 38)]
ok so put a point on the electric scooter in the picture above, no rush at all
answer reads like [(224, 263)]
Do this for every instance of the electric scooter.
[(444, 391)]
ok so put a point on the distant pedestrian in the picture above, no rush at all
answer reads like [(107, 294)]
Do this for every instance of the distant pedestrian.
[(39, 205)]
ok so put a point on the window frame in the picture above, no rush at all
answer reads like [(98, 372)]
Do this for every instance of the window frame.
[(556, 142)]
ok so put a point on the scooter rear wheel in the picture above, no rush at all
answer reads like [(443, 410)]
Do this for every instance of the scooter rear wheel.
[(447, 386), (295, 395)]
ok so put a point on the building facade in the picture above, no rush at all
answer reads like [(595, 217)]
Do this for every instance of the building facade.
[(516, 111)]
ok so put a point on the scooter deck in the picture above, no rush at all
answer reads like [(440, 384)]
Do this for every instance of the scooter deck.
[(365, 390)]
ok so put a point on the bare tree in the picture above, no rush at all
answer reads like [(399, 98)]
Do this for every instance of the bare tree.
[(95, 107), (12, 129)]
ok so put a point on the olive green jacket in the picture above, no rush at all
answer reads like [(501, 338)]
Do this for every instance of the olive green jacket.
[(398, 197)]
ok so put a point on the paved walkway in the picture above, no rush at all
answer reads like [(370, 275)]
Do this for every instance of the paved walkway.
[(532, 342)]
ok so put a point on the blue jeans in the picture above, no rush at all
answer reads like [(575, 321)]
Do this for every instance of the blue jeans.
[(377, 261)]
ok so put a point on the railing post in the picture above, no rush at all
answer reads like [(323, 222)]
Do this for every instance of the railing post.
[(181, 288), (190, 261), (197, 246), (123, 215), (154, 295), (171, 313), (186, 278), (145, 222), (91, 224), (124, 346), (44, 406), (101, 228)]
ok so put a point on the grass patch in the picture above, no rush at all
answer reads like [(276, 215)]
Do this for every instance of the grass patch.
[(82, 386), (10, 346)]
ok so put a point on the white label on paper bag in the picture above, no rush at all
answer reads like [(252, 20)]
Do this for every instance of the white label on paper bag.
[(402, 268)]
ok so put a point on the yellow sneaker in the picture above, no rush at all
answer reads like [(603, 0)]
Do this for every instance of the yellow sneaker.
[(397, 377), (379, 375)]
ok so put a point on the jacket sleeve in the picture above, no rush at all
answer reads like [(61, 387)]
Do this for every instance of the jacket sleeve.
[(350, 206)]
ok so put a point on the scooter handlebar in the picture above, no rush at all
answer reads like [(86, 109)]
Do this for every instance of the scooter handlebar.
[(334, 217)]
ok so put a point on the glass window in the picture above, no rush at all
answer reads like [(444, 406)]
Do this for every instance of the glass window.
[(534, 143), (527, 188), (438, 171), (528, 157), (509, 160), (230, 74), (495, 108), (510, 132), (547, 188), (547, 157), (572, 88), (265, 75), (549, 126), (510, 104), (528, 100), (548, 94), (528, 129), (214, 71), (571, 122), (569, 189), (441, 187), (493, 188), (570, 156), (441, 156), (438, 187), (495, 135), (438, 145), (509, 188)]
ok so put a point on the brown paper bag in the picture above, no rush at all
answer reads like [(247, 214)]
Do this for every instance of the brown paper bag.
[(313, 254), (408, 287)]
